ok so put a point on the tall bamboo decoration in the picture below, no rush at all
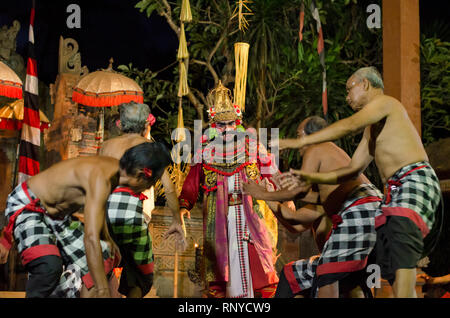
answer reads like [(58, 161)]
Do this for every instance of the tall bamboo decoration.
[(241, 50), (177, 174)]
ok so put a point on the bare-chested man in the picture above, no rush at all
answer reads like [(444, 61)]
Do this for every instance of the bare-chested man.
[(136, 126), (412, 188), (351, 207), (127, 216), (61, 190)]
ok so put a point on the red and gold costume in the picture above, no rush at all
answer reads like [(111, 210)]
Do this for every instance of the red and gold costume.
[(239, 231)]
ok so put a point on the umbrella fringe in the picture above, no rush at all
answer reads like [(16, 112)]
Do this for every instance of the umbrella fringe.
[(10, 90), (107, 101)]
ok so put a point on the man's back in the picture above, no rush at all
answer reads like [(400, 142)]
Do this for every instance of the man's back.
[(394, 141), (62, 188), (328, 157), (117, 146)]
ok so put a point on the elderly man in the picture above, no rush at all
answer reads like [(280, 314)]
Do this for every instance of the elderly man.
[(39, 211), (128, 213), (352, 207), (412, 188)]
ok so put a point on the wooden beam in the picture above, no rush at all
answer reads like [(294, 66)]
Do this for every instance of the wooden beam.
[(401, 54)]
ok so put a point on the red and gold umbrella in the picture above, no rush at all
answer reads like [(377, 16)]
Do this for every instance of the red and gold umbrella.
[(11, 116), (106, 88), (10, 83)]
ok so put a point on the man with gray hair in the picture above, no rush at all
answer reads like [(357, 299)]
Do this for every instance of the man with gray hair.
[(412, 188), (133, 118), (126, 211)]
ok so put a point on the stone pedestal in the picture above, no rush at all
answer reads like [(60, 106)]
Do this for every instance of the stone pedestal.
[(164, 253)]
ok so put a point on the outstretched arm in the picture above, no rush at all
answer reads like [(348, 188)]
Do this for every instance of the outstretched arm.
[(97, 192), (360, 160), (370, 114), (177, 227), (296, 221)]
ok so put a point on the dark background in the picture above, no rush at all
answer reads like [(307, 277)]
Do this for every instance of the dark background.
[(114, 28)]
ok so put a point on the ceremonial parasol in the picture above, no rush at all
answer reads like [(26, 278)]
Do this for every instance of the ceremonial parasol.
[(106, 88), (10, 83), (11, 116)]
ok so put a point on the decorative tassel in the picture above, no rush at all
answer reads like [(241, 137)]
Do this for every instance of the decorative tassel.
[(180, 135), (241, 50), (185, 15), (183, 88), (182, 48), (239, 12)]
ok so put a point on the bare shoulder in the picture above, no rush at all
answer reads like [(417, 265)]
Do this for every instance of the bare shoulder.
[(387, 101), (96, 166), (323, 148), (117, 146)]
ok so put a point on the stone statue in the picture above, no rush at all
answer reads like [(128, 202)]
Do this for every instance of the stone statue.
[(8, 48)]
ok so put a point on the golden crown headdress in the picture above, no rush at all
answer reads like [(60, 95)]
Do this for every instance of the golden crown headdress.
[(221, 107)]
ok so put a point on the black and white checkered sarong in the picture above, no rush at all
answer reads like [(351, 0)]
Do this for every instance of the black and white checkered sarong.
[(414, 192), (127, 226), (300, 274), (352, 240), (70, 241), (30, 229), (33, 229)]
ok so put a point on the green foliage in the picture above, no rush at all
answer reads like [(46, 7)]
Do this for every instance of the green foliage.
[(158, 94), (285, 75), (435, 85)]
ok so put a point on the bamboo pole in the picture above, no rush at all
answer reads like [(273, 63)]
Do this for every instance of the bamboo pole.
[(175, 274)]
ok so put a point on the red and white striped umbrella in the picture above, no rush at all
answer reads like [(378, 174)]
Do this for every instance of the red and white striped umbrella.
[(10, 83)]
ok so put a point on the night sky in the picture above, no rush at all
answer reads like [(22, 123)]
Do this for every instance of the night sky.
[(109, 28), (114, 28)]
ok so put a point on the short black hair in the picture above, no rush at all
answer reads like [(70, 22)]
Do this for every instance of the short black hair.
[(315, 123), (153, 155)]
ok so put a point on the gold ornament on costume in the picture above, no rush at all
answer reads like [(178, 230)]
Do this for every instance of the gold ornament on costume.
[(221, 107), (210, 178), (252, 171)]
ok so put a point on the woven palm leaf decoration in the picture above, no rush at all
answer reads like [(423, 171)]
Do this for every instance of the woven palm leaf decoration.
[(186, 14), (241, 50)]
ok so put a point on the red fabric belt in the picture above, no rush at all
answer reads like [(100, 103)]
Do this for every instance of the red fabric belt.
[(8, 230), (397, 183), (141, 196), (336, 219)]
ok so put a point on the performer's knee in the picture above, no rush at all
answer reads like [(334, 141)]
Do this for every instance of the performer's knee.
[(45, 272)]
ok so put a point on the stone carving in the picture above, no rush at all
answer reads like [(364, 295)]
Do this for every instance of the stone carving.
[(8, 40), (70, 58), (8, 48)]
